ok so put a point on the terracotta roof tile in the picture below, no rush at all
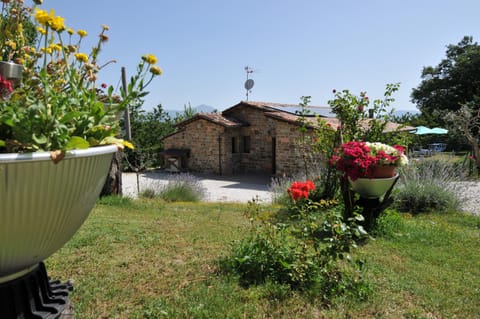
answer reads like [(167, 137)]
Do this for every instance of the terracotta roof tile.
[(216, 118), (273, 110)]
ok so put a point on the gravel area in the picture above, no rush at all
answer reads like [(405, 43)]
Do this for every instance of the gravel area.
[(247, 187), (469, 193), (217, 188)]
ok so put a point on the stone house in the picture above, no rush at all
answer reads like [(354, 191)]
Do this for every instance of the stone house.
[(249, 137)]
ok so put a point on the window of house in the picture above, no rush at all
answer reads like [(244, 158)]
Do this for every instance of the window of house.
[(246, 144), (234, 145)]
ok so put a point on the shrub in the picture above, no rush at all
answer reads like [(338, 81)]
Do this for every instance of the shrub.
[(148, 193), (428, 185), (271, 254), (183, 188), (309, 251), (388, 224)]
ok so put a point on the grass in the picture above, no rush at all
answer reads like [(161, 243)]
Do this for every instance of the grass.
[(150, 259)]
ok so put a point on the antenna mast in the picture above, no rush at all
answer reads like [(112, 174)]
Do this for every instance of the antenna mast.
[(249, 82)]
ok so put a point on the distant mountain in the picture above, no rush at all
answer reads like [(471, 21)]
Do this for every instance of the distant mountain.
[(203, 108)]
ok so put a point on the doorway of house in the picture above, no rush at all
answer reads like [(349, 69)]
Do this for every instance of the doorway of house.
[(274, 155)]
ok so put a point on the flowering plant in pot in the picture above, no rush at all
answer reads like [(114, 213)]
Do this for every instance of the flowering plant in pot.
[(359, 159), (56, 106), (55, 111)]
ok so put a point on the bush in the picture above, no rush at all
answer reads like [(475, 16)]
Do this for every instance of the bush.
[(182, 188), (308, 251), (148, 193), (428, 185), (272, 254), (388, 224)]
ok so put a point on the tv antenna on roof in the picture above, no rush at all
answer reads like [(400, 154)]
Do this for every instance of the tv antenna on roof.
[(249, 83)]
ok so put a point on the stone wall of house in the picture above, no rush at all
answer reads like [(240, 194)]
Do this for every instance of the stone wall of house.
[(254, 142), (201, 137), (266, 145), (289, 157)]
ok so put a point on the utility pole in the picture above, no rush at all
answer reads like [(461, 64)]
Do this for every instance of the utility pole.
[(128, 132)]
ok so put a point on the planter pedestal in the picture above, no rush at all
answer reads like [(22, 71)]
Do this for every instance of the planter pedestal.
[(34, 295), (42, 205), (370, 192)]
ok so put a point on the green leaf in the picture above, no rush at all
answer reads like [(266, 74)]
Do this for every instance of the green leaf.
[(42, 139), (77, 142)]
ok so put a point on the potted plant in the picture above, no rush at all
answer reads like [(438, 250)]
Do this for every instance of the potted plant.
[(369, 167), (58, 132)]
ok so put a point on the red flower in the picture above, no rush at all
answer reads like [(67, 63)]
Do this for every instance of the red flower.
[(354, 159), (300, 190), (6, 86)]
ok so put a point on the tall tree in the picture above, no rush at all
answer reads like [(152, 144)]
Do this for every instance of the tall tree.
[(452, 83), (148, 129)]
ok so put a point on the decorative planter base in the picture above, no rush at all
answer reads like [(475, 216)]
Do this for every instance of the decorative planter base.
[(43, 204), (372, 187), (34, 296)]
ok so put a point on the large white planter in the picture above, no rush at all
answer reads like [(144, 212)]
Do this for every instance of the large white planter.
[(43, 204), (372, 187)]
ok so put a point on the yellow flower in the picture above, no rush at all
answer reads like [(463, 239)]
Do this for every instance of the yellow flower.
[(55, 47), (105, 27), (70, 31), (57, 23), (82, 33), (42, 30), (82, 57), (50, 20), (150, 59), (47, 50), (156, 70), (42, 17), (11, 44)]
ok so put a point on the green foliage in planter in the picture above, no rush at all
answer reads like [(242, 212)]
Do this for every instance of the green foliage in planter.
[(57, 104)]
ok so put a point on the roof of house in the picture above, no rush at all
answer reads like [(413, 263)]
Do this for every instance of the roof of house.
[(283, 107), (278, 111), (216, 118)]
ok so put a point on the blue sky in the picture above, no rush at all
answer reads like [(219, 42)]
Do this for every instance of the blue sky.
[(296, 47)]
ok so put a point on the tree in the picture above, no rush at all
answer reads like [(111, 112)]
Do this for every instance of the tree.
[(148, 129), (467, 121), (452, 83), (188, 112)]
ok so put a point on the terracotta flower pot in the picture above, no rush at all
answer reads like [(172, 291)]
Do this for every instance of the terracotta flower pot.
[(384, 171), (43, 204)]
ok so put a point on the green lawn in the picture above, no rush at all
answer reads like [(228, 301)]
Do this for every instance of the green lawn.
[(148, 259)]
